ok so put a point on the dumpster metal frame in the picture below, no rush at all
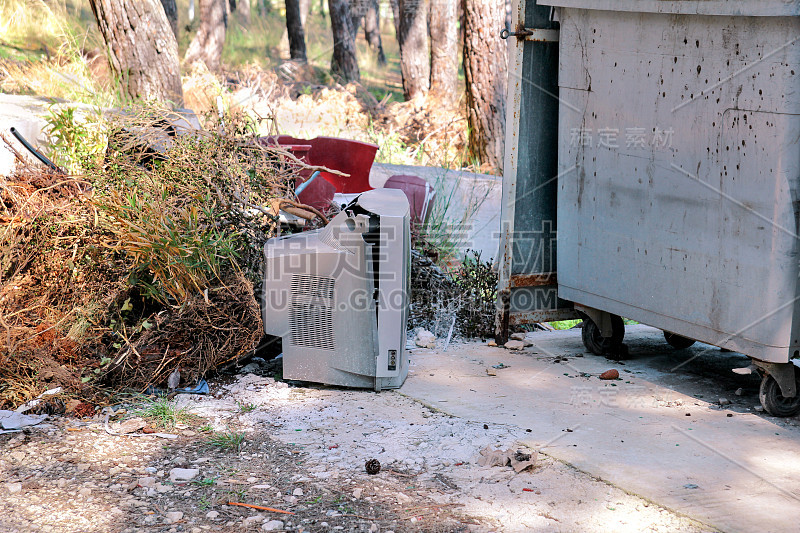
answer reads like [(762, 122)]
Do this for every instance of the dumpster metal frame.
[(741, 287)]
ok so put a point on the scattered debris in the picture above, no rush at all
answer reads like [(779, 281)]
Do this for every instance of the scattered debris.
[(739, 391), (373, 466), (691, 486), (491, 343), (517, 336), (514, 345), (519, 460), (724, 401), (744, 371), (610, 374), (501, 366), (425, 339), (491, 372)]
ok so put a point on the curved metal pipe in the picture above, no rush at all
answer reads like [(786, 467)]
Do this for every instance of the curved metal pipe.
[(34, 151)]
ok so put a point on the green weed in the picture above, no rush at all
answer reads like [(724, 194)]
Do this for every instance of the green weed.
[(227, 440), (246, 407), (164, 413)]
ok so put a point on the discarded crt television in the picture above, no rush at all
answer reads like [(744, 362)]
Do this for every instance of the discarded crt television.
[(338, 296)]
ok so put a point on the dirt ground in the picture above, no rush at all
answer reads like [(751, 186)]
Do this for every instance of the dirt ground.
[(304, 451)]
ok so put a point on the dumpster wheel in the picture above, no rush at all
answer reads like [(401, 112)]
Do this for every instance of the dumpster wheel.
[(610, 347), (678, 342), (774, 402)]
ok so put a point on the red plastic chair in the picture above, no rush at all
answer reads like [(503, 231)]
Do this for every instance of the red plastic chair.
[(352, 157)]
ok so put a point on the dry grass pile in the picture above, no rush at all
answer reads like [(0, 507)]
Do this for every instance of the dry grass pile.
[(209, 330), (148, 251), (434, 129)]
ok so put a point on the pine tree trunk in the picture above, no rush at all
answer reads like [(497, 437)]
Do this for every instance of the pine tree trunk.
[(344, 62), (415, 63), (485, 71), (243, 7), (171, 10), (396, 17), (294, 29), (142, 49), (372, 29), (357, 10), (210, 38), (444, 49)]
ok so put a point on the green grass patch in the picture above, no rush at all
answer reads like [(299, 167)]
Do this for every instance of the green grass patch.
[(227, 440), (164, 413)]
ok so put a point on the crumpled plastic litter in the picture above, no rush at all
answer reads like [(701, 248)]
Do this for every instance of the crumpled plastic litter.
[(518, 460), (12, 421), (200, 388)]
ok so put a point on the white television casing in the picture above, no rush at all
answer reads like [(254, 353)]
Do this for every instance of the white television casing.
[(338, 296)]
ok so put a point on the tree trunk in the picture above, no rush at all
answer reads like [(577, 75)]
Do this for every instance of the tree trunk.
[(284, 44), (243, 7), (357, 10), (344, 62), (444, 49), (294, 28), (485, 70), (415, 63), (396, 17), (171, 10), (372, 29), (207, 43), (142, 49)]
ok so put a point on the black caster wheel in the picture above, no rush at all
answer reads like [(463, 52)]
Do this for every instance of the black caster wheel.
[(611, 346), (677, 342), (773, 401)]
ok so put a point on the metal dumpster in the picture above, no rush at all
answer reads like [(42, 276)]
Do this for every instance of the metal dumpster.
[(654, 145)]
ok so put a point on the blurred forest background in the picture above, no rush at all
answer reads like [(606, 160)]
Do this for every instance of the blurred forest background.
[(423, 79)]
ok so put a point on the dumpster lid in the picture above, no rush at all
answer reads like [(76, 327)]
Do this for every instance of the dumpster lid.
[(741, 8)]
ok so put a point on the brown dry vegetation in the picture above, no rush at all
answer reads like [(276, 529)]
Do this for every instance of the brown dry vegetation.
[(142, 264)]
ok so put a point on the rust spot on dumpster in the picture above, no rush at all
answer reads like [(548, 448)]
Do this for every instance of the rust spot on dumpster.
[(533, 280)]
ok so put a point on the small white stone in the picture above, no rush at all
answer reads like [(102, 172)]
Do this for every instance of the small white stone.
[(357, 493), (211, 515), (252, 520), (147, 482), (425, 339), (297, 492), (273, 525), (183, 474), (13, 488), (173, 516)]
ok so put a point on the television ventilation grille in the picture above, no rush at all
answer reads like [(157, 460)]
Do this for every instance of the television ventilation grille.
[(311, 313)]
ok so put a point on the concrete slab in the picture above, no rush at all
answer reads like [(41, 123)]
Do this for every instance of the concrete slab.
[(658, 431), (26, 114)]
